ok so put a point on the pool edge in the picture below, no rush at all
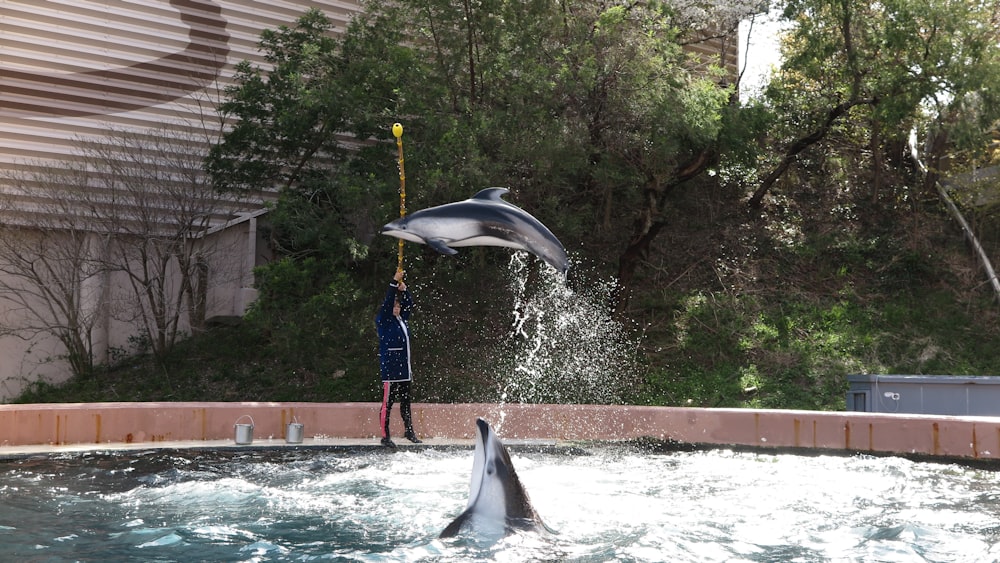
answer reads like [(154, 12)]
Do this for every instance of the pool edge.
[(84, 426)]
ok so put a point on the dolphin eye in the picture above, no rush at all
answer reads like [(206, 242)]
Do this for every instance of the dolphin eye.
[(490, 469)]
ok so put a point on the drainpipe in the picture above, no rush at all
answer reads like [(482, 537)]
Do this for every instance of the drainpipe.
[(984, 260)]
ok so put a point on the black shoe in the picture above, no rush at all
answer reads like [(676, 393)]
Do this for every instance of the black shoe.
[(412, 436), (387, 442)]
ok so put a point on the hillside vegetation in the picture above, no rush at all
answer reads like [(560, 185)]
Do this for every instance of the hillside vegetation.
[(738, 312)]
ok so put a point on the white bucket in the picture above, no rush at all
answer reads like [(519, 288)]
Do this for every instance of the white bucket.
[(244, 432), (293, 435)]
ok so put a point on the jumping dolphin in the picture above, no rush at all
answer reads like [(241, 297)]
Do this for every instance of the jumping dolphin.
[(482, 220), (498, 504)]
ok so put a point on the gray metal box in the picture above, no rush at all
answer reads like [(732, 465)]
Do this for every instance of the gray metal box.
[(975, 395)]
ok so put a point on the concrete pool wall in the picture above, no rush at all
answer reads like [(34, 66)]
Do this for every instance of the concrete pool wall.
[(107, 424)]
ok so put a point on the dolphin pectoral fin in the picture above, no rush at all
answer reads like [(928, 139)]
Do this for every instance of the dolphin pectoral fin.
[(456, 526), (440, 246)]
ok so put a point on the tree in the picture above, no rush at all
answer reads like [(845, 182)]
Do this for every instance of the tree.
[(301, 127), (117, 233), (52, 263), (150, 198), (593, 113), (286, 118), (653, 120), (880, 66)]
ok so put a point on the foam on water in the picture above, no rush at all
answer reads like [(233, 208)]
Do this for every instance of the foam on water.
[(606, 503)]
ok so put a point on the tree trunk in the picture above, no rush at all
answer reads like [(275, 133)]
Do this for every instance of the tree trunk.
[(648, 226), (800, 145), (878, 168), (629, 262)]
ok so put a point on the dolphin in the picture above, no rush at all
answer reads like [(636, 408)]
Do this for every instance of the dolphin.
[(482, 220), (498, 504)]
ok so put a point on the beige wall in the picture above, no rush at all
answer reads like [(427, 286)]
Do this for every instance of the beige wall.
[(234, 250)]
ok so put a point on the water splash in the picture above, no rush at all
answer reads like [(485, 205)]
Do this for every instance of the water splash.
[(564, 345), (526, 338)]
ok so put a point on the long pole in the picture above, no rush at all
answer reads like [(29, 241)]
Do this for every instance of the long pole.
[(397, 131), (984, 259)]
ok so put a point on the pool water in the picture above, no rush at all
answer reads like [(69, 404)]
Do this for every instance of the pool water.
[(607, 503)]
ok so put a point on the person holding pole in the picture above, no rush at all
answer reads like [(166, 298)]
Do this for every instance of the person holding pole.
[(393, 327)]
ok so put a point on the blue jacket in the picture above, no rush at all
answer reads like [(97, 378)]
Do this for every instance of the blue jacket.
[(394, 336)]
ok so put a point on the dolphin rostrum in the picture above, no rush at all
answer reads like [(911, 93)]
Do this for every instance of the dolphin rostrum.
[(482, 220), (498, 504)]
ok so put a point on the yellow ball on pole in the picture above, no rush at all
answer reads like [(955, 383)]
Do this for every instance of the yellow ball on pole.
[(397, 131)]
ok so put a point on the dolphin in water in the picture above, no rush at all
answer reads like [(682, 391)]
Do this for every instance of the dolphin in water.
[(498, 504), (482, 220)]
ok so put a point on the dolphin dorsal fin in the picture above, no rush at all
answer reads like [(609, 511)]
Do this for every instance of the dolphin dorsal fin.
[(491, 194)]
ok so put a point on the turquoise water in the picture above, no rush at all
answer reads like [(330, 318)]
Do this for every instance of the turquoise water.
[(607, 504)]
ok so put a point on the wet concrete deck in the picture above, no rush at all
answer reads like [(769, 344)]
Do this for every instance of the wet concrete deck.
[(39, 428)]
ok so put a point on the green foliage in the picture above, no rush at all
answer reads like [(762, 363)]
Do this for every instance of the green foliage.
[(288, 133), (284, 116), (325, 326), (796, 353), (893, 62)]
